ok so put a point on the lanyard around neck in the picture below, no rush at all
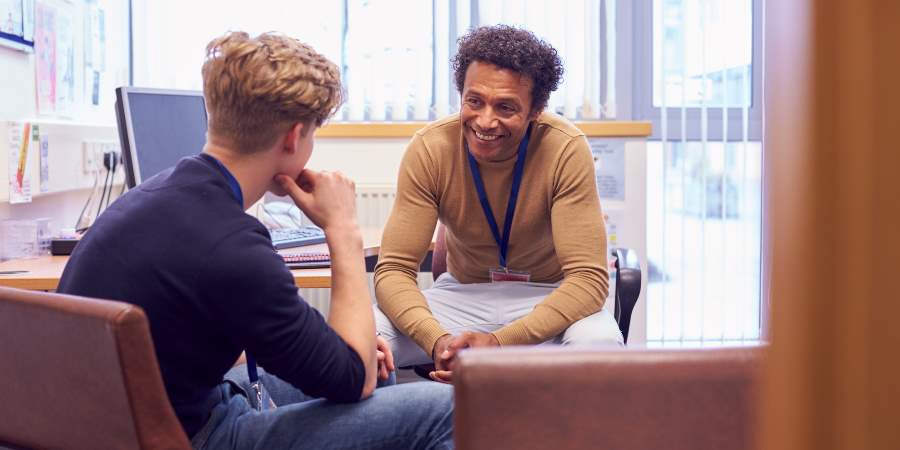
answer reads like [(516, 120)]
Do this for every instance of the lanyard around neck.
[(239, 197), (502, 240), (232, 181)]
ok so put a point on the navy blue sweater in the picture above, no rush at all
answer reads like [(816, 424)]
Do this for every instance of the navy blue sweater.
[(181, 247)]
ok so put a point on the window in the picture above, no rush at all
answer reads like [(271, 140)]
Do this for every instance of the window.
[(699, 83), (696, 68), (388, 69), (394, 54), (703, 239), (170, 36)]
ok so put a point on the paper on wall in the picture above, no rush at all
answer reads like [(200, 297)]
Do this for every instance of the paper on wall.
[(19, 146), (45, 57), (609, 166), (65, 61), (613, 220), (44, 141)]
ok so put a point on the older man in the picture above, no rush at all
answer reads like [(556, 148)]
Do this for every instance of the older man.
[(514, 186)]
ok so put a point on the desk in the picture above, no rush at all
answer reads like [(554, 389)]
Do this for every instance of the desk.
[(43, 272)]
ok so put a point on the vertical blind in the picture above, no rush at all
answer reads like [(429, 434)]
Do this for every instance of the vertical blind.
[(705, 195), (394, 54)]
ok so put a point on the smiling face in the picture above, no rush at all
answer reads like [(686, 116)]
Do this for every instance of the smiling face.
[(496, 110)]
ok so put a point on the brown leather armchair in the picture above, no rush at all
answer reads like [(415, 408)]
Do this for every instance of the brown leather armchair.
[(80, 373), (626, 399)]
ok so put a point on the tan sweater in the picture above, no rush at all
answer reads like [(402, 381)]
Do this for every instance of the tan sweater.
[(557, 232)]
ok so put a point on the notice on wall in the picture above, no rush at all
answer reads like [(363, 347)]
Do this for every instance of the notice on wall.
[(22, 141), (613, 221), (45, 159), (45, 57), (54, 47), (609, 167), (65, 62)]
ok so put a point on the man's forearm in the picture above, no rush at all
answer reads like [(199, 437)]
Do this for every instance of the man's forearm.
[(566, 305), (350, 314), (401, 300)]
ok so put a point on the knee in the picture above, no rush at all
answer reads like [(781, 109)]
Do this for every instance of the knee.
[(438, 397), (421, 405), (434, 401), (383, 324), (597, 329)]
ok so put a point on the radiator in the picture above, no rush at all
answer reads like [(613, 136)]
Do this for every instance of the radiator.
[(373, 206)]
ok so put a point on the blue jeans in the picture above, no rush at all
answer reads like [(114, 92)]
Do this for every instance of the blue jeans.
[(407, 416)]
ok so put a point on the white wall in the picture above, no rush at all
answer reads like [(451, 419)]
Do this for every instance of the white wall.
[(66, 134), (367, 161)]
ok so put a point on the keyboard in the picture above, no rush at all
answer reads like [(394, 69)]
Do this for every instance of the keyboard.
[(307, 260), (296, 237)]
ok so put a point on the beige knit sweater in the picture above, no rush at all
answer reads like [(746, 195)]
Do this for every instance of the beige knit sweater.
[(557, 232)]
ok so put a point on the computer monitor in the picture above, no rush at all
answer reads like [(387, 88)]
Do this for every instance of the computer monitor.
[(157, 128)]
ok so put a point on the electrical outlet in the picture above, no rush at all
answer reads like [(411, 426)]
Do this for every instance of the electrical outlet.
[(89, 157), (92, 154)]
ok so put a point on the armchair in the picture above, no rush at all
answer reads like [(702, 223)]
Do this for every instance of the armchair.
[(625, 399), (81, 373)]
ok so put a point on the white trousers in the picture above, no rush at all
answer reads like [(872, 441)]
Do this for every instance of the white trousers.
[(487, 307)]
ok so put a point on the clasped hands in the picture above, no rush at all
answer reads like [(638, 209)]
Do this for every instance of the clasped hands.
[(447, 348)]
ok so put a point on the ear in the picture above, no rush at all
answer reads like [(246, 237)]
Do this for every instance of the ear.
[(291, 139)]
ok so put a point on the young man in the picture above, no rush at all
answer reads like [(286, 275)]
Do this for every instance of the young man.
[(514, 187), (181, 247)]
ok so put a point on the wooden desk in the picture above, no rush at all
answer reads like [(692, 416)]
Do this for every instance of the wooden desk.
[(43, 272)]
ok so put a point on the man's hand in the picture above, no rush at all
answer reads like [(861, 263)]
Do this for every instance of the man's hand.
[(445, 361), (439, 351), (385, 358), (327, 198)]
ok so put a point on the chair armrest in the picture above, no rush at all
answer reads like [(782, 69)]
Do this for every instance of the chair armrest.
[(628, 286), (569, 398)]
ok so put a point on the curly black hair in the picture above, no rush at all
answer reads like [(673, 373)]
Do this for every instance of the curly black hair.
[(514, 49)]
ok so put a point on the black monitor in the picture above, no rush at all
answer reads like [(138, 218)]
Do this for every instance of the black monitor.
[(157, 128)]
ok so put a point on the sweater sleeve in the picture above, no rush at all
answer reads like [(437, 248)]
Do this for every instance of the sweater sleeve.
[(257, 305), (407, 236), (579, 237)]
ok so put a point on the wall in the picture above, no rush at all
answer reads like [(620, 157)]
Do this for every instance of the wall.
[(69, 183)]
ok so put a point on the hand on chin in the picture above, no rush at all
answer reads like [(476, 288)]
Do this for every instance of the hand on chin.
[(276, 189)]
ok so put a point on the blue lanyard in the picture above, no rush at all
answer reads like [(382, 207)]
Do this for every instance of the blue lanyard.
[(232, 181), (239, 196), (502, 241)]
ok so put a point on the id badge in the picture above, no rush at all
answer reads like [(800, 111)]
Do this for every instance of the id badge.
[(503, 274)]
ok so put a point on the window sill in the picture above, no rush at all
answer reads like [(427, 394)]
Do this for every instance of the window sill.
[(407, 129)]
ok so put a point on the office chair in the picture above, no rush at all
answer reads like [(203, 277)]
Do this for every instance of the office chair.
[(81, 373), (628, 277)]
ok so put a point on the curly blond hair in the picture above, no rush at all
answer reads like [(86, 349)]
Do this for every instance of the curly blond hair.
[(257, 88)]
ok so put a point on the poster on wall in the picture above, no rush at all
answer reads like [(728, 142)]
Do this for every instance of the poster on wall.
[(65, 62), (23, 138), (609, 167), (17, 24), (94, 52), (54, 46), (45, 60)]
